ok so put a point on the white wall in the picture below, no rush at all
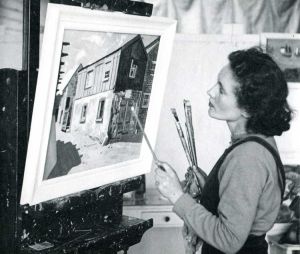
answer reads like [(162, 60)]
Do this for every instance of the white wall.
[(195, 62), (288, 143), (11, 34)]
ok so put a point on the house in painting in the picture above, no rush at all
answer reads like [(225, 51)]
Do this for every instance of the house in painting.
[(152, 50), (67, 93), (106, 91)]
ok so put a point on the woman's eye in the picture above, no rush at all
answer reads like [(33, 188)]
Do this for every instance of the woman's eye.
[(221, 90)]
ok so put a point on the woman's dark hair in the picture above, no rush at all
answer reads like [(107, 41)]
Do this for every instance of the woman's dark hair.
[(262, 93)]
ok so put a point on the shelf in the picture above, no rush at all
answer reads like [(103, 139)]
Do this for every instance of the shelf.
[(152, 206)]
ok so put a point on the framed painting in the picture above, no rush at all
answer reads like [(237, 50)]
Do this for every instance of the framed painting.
[(96, 68), (285, 50)]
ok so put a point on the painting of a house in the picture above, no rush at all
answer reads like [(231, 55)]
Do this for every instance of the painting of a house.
[(152, 50), (64, 112), (106, 91), (90, 95), (94, 125)]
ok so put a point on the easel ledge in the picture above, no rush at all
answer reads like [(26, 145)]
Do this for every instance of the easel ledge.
[(90, 221)]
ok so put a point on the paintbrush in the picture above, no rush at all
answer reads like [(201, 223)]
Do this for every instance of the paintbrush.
[(181, 136), (189, 151), (157, 162), (190, 130)]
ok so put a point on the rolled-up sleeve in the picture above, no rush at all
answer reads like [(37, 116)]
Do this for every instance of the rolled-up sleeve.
[(239, 190)]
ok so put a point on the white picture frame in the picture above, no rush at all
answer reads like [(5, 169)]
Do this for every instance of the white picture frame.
[(57, 133)]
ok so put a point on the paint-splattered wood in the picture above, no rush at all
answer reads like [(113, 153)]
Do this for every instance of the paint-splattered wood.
[(62, 217), (102, 239), (126, 6), (13, 140), (59, 221)]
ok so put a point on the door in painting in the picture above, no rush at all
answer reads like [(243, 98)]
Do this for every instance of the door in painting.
[(125, 115), (122, 121)]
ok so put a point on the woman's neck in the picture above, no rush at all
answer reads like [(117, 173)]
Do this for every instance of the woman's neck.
[(237, 128)]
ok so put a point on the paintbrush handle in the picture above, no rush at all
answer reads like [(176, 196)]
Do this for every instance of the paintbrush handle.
[(145, 136), (190, 129), (185, 147), (181, 136)]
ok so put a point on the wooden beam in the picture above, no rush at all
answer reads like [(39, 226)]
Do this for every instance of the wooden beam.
[(30, 58)]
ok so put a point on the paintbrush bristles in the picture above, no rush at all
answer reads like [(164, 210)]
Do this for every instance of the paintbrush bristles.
[(187, 103), (173, 110)]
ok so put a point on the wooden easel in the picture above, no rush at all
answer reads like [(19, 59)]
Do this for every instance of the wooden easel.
[(88, 223)]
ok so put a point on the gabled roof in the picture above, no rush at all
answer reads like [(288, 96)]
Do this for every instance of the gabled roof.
[(136, 38), (152, 44), (124, 46), (67, 77)]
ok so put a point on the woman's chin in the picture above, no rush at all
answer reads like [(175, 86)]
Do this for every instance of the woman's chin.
[(213, 115), (211, 112)]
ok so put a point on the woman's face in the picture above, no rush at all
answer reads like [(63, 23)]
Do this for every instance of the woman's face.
[(222, 100)]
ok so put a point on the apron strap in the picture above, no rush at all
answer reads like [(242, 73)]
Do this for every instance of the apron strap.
[(280, 168)]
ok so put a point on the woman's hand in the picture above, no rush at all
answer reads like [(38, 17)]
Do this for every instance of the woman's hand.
[(191, 240), (167, 182)]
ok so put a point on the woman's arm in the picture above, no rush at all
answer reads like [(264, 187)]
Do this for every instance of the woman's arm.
[(239, 192)]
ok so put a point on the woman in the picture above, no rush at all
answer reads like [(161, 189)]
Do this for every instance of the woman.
[(242, 194)]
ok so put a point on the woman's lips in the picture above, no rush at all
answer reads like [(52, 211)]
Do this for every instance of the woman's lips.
[(210, 105)]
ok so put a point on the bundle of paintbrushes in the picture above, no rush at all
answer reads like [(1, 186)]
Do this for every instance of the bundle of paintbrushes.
[(195, 177)]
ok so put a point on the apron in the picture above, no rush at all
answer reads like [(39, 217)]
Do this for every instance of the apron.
[(210, 198)]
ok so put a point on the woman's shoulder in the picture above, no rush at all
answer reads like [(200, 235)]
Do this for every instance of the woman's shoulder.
[(254, 148), (250, 158)]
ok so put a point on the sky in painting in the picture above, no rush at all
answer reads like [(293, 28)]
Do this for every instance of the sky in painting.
[(87, 47)]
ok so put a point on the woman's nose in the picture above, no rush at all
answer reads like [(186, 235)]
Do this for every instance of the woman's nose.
[(211, 92)]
